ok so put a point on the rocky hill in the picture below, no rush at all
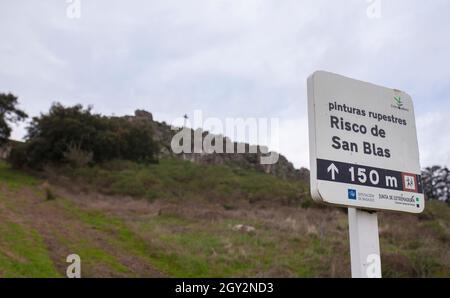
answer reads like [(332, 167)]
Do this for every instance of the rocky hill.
[(164, 134), (249, 160)]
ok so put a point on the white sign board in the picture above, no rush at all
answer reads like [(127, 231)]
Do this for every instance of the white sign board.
[(363, 145)]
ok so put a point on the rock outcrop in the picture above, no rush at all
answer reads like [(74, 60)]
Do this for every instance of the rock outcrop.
[(163, 134)]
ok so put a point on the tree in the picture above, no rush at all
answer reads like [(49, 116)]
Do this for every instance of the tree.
[(9, 113), (442, 184), (74, 135), (436, 183)]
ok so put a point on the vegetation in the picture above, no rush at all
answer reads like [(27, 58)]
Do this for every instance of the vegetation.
[(76, 136), (192, 232), (107, 198), (9, 113), (436, 183), (177, 179)]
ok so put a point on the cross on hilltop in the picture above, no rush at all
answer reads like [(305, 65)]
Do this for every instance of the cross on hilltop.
[(185, 119)]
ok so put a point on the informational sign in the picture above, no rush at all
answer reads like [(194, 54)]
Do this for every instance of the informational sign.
[(363, 145)]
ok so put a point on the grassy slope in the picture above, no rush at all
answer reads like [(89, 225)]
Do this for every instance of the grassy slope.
[(184, 227), (177, 179)]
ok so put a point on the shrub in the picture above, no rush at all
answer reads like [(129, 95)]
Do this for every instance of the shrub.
[(49, 196), (76, 136), (77, 157), (18, 156)]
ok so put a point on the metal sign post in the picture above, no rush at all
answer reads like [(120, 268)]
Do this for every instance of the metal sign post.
[(364, 244)]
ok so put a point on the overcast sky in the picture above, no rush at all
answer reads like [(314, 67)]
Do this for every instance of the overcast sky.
[(228, 58)]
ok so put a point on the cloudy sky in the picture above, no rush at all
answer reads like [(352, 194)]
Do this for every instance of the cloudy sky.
[(228, 58)]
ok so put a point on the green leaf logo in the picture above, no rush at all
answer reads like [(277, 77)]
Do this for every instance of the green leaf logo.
[(398, 101)]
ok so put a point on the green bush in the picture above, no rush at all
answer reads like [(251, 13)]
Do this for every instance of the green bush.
[(18, 157), (76, 136), (49, 196), (77, 157)]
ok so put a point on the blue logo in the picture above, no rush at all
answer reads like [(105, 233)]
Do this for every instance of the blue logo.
[(352, 194)]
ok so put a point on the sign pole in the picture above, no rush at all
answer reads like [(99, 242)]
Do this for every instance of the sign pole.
[(364, 244)]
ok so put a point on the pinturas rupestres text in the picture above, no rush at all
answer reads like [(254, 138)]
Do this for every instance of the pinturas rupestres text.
[(368, 148)]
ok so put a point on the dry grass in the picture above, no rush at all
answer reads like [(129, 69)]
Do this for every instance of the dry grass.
[(121, 236)]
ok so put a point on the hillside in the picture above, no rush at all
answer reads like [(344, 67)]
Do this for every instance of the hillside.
[(163, 135), (178, 218)]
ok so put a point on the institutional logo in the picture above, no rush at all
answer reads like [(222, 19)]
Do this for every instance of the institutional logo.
[(352, 194), (417, 200), (398, 104)]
